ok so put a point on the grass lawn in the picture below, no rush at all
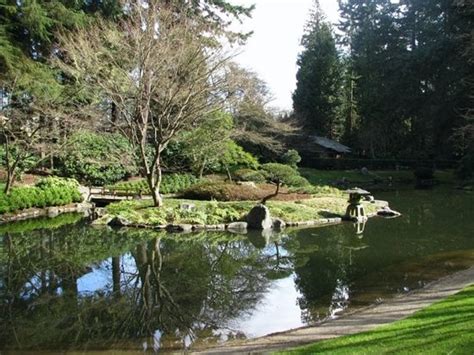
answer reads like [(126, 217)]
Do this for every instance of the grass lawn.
[(446, 327), (327, 177)]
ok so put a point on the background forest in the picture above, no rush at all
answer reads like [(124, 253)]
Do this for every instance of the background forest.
[(104, 90)]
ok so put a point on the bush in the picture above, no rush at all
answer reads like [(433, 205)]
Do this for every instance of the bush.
[(291, 158), (51, 191), (286, 174), (235, 157), (223, 192), (298, 181), (171, 183), (97, 159), (258, 177)]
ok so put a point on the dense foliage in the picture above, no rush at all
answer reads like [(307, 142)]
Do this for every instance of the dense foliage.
[(50, 191), (317, 95), (97, 159), (172, 183), (291, 158), (285, 174), (407, 74)]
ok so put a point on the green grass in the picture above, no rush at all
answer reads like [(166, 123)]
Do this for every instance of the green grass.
[(213, 212), (328, 177), (446, 327)]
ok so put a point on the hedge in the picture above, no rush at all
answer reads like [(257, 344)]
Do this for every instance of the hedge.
[(171, 183), (51, 191)]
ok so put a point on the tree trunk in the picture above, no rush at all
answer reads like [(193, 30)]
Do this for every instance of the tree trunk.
[(116, 274), (229, 176), (157, 199), (154, 183), (201, 169), (265, 199), (9, 182)]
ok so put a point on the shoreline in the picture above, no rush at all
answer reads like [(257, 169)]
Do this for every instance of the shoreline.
[(50, 212), (361, 320)]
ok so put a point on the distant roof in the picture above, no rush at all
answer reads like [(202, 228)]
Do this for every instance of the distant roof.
[(330, 144)]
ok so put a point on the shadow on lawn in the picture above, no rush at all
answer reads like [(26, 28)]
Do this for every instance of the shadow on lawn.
[(443, 327)]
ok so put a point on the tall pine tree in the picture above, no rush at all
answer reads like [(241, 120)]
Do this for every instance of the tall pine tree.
[(316, 98)]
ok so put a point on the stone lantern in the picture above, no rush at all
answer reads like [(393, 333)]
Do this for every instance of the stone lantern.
[(355, 210)]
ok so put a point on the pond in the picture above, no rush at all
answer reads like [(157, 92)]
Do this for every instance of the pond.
[(71, 286)]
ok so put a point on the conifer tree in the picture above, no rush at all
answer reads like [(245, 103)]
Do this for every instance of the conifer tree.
[(316, 98)]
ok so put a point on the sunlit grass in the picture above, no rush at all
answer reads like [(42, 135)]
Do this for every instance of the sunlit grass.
[(443, 328), (213, 212), (328, 177)]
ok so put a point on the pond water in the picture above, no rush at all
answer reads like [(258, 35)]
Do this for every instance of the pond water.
[(75, 287)]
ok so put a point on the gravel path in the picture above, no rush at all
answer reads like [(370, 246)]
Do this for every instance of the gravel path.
[(363, 320)]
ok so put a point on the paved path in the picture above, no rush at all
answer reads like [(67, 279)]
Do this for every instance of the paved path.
[(363, 320)]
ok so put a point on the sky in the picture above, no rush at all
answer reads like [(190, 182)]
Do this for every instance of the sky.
[(272, 50)]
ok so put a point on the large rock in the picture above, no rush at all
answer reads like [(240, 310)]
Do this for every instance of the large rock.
[(119, 222), (179, 228), (278, 223), (386, 212), (259, 218), (237, 227), (53, 212)]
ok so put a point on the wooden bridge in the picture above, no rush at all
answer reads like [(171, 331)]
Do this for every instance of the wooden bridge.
[(106, 195)]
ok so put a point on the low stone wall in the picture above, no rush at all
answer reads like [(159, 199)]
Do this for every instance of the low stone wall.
[(50, 212), (189, 228)]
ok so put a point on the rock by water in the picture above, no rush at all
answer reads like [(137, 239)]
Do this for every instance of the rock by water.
[(259, 218)]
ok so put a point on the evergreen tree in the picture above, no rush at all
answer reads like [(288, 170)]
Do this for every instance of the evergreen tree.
[(407, 62), (316, 98)]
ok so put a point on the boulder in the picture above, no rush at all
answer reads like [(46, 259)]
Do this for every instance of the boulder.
[(186, 228), (53, 212), (278, 223), (187, 207), (388, 213), (102, 221), (259, 218), (237, 227), (119, 222)]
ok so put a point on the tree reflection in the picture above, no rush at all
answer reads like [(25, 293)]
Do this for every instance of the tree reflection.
[(168, 292)]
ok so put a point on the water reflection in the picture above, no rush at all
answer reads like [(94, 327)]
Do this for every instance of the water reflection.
[(77, 287)]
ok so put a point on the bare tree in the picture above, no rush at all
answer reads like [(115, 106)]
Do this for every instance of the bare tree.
[(158, 68), (256, 126), (32, 129)]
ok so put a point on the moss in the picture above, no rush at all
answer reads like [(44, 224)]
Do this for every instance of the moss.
[(213, 212)]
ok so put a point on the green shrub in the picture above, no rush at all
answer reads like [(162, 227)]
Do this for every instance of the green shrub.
[(235, 157), (171, 183), (258, 177), (291, 158), (281, 172), (97, 159), (209, 191), (51, 191), (221, 191), (297, 181)]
